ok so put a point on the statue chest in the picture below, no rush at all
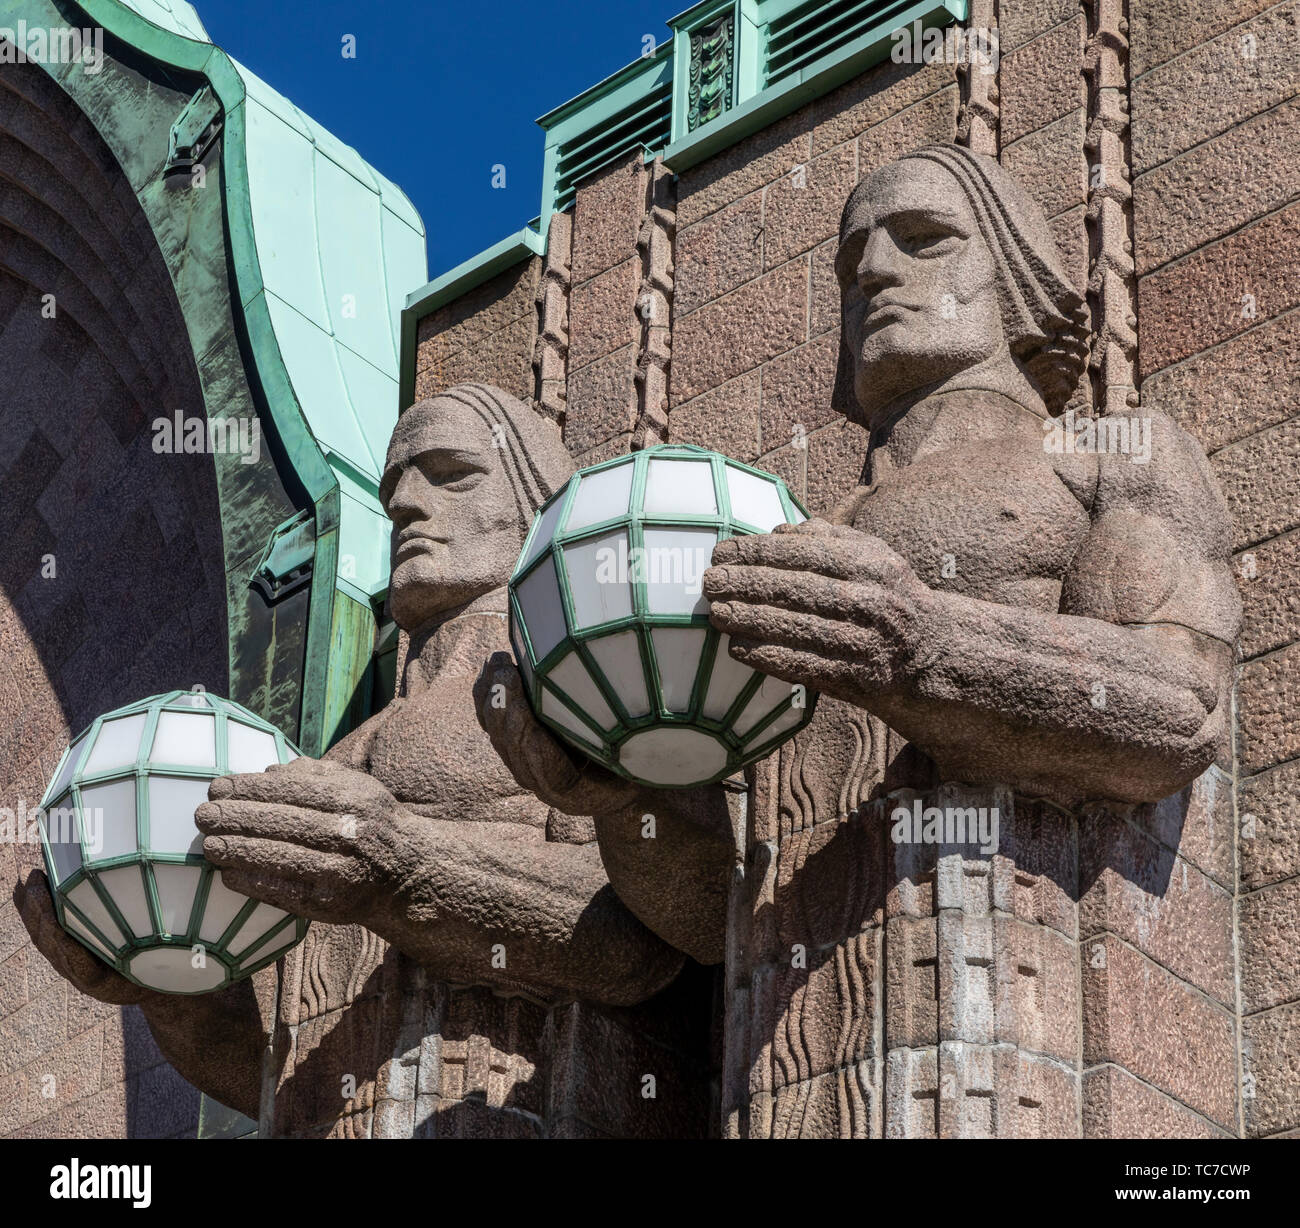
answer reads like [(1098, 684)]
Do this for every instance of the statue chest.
[(433, 754), (991, 520)]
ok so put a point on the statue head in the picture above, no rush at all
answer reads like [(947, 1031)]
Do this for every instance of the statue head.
[(950, 278), (466, 472)]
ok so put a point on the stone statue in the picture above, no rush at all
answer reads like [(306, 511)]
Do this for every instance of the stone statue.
[(411, 827), (1017, 615), (1026, 610)]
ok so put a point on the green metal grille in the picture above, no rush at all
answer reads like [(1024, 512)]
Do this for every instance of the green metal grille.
[(796, 36), (631, 112)]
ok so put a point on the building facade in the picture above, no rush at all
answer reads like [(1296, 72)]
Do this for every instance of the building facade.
[(1109, 971)]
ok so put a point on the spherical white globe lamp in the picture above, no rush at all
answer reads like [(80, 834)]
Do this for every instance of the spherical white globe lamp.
[(125, 859), (611, 631)]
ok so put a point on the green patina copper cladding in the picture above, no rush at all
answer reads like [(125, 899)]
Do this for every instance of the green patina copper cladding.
[(322, 251), (731, 68), (97, 919), (745, 736)]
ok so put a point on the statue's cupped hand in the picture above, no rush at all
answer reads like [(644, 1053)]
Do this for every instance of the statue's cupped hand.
[(536, 759), (315, 837), (826, 606)]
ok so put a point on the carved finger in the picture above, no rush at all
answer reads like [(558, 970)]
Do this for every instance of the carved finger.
[(886, 636), (300, 880), (845, 600), (330, 833), (840, 678), (337, 790), (849, 555)]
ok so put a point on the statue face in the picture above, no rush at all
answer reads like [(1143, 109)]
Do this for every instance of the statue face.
[(456, 530), (918, 285)]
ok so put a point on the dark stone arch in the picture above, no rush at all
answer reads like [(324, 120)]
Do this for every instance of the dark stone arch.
[(136, 603)]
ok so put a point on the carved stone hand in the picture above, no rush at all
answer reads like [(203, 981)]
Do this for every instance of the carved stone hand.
[(826, 606), (314, 837), (86, 972), (536, 758), (671, 873)]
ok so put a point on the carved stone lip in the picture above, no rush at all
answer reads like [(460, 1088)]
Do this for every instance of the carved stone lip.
[(878, 307), (410, 542)]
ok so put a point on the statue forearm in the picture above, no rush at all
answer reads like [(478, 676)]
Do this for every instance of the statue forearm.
[(1062, 704), (217, 1040), (670, 856), (521, 914)]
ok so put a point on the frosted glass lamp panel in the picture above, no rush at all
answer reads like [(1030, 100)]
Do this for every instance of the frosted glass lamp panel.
[(176, 886), (675, 563), (559, 712), (754, 500), (92, 908), (222, 907), (542, 609), (186, 739), (172, 803), (117, 746), (249, 749), (68, 767), (545, 531), (108, 818), (599, 574), (677, 651), (672, 757), (258, 924), (774, 693), (727, 680), (619, 659), (64, 836), (601, 496), (572, 678), (679, 488), (125, 886)]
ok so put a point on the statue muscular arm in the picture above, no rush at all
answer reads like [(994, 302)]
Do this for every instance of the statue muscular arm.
[(1122, 694)]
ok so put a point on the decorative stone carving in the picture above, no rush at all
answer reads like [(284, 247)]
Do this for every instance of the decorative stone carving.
[(551, 351), (654, 245), (712, 68), (412, 831), (977, 120)]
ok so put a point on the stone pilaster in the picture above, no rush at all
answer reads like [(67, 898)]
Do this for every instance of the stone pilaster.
[(655, 242), (551, 352), (977, 118)]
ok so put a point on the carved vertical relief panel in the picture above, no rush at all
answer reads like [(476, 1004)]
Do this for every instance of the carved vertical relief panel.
[(803, 1054), (551, 352), (655, 245), (1111, 277)]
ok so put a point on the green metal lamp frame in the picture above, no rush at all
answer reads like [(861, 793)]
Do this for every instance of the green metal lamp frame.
[(237, 967), (605, 743)]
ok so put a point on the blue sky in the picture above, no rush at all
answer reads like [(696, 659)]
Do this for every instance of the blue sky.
[(441, 92)]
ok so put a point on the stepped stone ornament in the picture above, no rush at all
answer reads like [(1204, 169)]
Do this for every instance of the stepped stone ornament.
[(1057, 619), (612, 634)]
